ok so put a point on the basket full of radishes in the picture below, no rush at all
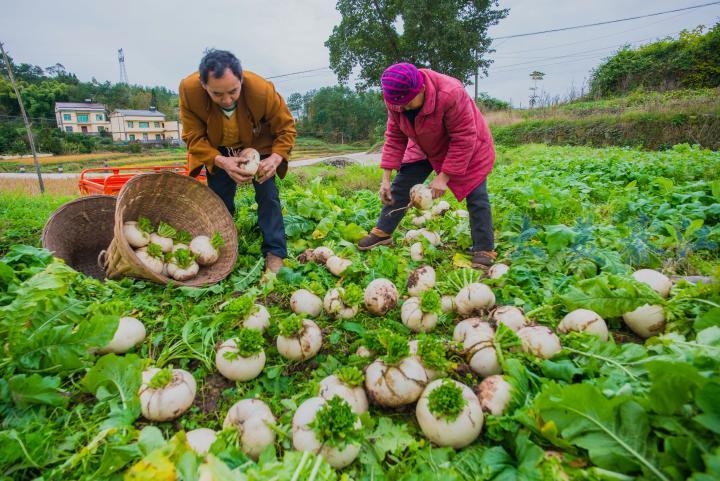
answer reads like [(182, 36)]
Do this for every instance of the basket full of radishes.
[(171, 228)]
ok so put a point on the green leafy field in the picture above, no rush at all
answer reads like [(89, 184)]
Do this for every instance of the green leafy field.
[(572, 224)]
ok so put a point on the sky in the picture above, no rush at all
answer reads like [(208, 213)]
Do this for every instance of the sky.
[(163, 41)]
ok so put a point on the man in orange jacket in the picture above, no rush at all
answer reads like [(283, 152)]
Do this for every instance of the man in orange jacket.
[(223, 107)]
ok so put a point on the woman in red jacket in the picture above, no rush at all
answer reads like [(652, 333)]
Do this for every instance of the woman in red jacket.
[(434, 125)]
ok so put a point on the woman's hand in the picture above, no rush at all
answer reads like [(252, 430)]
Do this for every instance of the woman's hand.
[(439, 185), (385, 195)]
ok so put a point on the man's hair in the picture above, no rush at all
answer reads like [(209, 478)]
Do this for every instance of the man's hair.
[(216, 61)]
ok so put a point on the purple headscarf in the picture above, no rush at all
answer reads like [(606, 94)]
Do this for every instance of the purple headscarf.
[(401, 83)]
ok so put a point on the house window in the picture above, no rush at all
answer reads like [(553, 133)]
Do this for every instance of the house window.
[(68, 128), (157, 125), (67, 117), (131, 124), (100, 117), (83, 117), (132, 136), (144, 125), (145, 136), (157, 137)]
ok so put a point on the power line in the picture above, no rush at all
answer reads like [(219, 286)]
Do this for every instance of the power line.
[(297, 73), (562, 29)]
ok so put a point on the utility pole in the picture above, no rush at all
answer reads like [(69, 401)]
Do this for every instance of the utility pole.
[(25, 118)]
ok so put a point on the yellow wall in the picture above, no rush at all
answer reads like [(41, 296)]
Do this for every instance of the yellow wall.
[(93, 125)]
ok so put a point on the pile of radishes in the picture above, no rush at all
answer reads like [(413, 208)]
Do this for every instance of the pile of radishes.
[(171, 253)]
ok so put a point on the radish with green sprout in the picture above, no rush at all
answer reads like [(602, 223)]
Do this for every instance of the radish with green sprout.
[(420, 280), (420, 314), (254, 422), (397, 378), (241, 358), (206, 249), (328, 428), (494, 394), (584, 320), (447, 303), (417, 251), (449, 414), (440, 208), (659, 282), (343, 302), (381, 295), (477, 339), (322, 254), (152, 257), (166, 394), (299, 339), (363, 351), (646, 321), (430, 351), (164, 236), (129, 333), (138, 233), (539, 341), (421, 197), (305, 302), (498, 270), (182, 265), (201, 439), (259, 318), (348, 384), (462, 213), (337, 265), (432, 237), (420, 220), (474, 298), (513, 317), (412, 235)]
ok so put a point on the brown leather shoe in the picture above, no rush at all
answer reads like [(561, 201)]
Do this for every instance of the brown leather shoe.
[(273, 263), (375, 238), (483, 259)]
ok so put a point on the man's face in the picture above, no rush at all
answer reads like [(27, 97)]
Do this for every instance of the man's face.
[(225, 90)]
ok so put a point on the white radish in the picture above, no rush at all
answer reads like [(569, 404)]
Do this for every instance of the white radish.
[(337, 265), (201, 439), (235, 367), (646, 321), (474, 298), (363, 351), (411, 235), (354, 395), (448, 303), (166, 396), (414, 318), (381, 295), (539, 341), (420, 280), (494, 394), (154, 264), (421, 197), (477, 337), (130, 332), (417, 251), (202, 247), (335, 306), (303, 345), (457, 429), (177, 247), (440, 208), (420, 220), (584, 320), (182, 273), (431, 373), (432, 237), (322, 254), (135, 236), (305, 302), (251, 159), (511, 316), (258, 319), (659, 282), (253, 420), (393, 386), (306, 439), (462, 213), (498, 270), (165, 243)]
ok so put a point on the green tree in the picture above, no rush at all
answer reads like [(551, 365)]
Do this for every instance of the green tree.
[(449, 36), (295, 103)]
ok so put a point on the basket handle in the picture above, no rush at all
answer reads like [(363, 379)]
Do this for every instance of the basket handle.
[(102, 259)]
